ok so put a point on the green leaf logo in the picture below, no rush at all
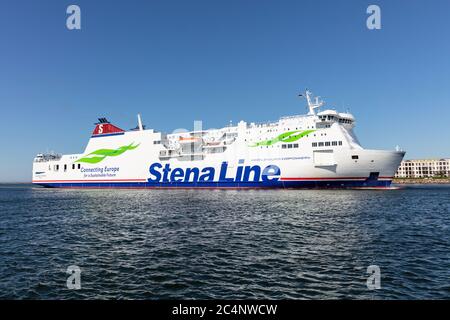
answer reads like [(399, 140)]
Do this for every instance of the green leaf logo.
[(100, 154), (289, 136)]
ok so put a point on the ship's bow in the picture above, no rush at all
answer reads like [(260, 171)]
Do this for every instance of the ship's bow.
[(386, 164)]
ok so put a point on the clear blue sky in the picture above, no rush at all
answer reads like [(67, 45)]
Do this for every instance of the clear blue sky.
[(216, 61)]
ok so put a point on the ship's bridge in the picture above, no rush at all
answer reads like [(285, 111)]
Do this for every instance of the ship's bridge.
[(328, 117)]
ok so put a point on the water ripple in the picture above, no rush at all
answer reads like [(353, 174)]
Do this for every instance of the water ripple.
[(279, 244)]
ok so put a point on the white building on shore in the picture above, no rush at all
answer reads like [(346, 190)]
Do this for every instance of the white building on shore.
[(424, 168)]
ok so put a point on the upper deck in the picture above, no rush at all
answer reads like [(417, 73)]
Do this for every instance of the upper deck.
[(198, 143)]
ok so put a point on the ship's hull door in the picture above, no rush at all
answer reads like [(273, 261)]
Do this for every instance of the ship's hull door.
[(324, 158)]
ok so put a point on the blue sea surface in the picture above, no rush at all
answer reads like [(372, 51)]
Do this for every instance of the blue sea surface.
[(227, 244)]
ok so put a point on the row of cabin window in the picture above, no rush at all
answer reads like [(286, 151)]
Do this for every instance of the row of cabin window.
[(289, 145), (56, 167), (322, 134), (332, 118), (327, 143)]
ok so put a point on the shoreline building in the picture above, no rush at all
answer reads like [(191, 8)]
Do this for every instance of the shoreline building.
[(424, 168)]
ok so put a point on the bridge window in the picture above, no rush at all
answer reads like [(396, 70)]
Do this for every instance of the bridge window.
[(355, 157), (314, 144)]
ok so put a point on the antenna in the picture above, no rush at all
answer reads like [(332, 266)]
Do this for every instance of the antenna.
[(312, 105), (140, 126)]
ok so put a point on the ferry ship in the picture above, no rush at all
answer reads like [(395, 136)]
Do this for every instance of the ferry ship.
[(315, 150)]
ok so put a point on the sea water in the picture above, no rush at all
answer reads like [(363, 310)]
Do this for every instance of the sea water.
[(230, 244)]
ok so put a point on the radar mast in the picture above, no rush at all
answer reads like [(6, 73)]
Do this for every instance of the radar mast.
[(313, 102)]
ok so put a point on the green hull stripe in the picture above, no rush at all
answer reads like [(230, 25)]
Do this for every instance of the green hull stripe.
[(289, 136), (101, 154)]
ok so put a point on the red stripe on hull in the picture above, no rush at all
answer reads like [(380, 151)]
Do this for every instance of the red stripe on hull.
[(226, 188), (322, 179), (113, 180), (144, 180), (168, 188)]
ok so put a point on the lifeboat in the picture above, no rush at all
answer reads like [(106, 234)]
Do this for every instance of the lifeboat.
[(188, 139)]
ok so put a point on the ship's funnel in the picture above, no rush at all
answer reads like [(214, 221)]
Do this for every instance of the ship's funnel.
[(103, 127)]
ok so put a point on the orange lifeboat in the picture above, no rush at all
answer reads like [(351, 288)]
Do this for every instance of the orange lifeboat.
[(188, 139)]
